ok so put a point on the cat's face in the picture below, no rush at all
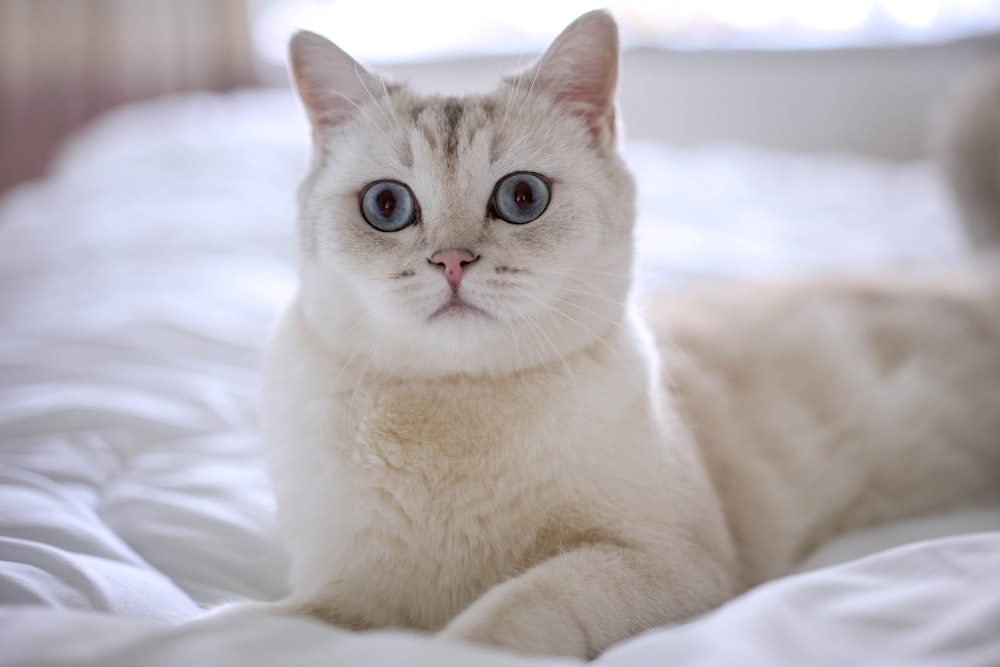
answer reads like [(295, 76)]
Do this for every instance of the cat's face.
[(473, 234)]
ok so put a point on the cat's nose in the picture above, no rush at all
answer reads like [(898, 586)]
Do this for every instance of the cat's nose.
[(453, 262)]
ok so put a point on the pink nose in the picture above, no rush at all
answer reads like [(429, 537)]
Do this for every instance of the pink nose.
[(453, 262)]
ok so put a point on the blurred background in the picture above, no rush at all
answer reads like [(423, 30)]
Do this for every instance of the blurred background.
[(806, 75)]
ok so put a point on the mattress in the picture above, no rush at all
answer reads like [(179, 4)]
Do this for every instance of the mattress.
[(138, 283)]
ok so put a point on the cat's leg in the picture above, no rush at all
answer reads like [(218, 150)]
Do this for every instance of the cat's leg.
[(584, 600)]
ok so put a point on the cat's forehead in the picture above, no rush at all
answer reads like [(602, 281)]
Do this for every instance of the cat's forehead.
[(447, 125), (448, 113)]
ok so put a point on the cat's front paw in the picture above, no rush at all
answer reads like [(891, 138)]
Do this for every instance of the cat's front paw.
[(520, 628)]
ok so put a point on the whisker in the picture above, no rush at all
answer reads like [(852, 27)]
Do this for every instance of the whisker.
[(574, 271), (514, 338), (531, 88), (356, 106), (357, 351), (609, 299), (562, 313), (361, 80), (545, 338), (512, 92), (558, 354), (597, 338), (605, 318), (388, 103)]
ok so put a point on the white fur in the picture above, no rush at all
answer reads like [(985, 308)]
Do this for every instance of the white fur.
[(523, 476)]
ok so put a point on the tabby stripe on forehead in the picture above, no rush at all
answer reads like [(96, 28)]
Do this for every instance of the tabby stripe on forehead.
[(416, 110), (453, 117), (405, 149)]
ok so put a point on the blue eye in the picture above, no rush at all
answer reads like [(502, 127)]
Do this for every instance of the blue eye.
[(388, 206), (520, 198)]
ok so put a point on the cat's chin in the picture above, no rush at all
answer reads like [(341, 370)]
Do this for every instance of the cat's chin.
[(458, 308)]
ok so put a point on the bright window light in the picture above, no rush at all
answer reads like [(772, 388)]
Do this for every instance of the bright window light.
[(828, 16), (747, 15), (379, 31), (916, 14)]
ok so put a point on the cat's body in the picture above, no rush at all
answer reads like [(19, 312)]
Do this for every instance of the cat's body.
[(836, 403), (470, 430)]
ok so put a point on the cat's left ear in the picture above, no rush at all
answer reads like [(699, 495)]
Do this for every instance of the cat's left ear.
[(580, 69)]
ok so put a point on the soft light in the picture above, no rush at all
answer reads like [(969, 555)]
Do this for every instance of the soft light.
[(746, 14), (917, 14), (831, 15)]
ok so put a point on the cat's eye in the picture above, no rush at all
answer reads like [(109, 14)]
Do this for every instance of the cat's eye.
[(520, 198), (388, 206)]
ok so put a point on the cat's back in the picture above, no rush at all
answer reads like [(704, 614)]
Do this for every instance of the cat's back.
[(816, 395)]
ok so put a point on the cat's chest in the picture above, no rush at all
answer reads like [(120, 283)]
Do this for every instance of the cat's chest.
[(438, 490), (449, 426), (451, 474)]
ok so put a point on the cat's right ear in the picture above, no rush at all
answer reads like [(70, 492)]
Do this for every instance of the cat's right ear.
[(580, 70), (331, 84)]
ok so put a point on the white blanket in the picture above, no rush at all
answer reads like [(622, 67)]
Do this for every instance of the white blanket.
[(137, 285)]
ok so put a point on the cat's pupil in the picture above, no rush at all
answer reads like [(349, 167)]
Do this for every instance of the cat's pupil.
[(523, 196), (386, 202)]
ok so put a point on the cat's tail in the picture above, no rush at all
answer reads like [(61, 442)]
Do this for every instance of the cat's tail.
[(968, 151)]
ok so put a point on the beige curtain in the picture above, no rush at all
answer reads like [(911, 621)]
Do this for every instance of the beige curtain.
[(63, 61)]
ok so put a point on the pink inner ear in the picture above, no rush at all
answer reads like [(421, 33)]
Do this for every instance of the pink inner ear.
[(580, 68), (331, 84), (590, 95)]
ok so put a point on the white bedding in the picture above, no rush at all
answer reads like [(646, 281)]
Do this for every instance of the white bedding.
[(137, 286)]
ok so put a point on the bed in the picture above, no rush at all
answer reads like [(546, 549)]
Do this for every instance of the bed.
[(138, 282)]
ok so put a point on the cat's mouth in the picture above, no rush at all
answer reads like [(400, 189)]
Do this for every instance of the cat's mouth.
[(456, 306)]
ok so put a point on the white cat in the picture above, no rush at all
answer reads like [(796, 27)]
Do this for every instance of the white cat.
[(470, 429)]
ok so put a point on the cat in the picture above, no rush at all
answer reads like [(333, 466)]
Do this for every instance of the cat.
[(473, 427)]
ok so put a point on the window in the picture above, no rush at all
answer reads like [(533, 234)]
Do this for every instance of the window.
[(399, 30)]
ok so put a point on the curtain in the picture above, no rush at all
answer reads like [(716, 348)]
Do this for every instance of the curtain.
[(64, 61)]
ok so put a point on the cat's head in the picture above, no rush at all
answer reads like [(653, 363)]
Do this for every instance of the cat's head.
[(476, 234)]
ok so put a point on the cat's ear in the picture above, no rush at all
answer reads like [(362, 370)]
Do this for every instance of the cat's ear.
[(331, 84), (580, 69)]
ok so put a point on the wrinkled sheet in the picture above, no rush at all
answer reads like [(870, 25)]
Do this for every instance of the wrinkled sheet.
[(921, 605), (138, 282)]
